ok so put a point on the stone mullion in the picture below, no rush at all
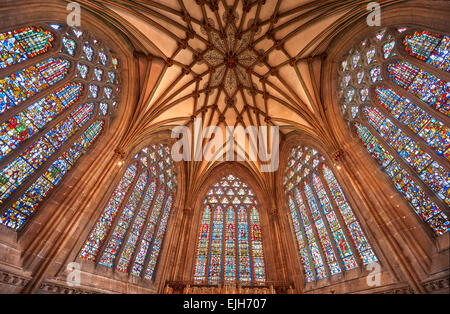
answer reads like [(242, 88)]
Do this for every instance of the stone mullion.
[(208, 258), (411, 171), (415, 100), (144, 228), (393, 236), (338, 215), (155, 231), (55, 48), (416, 138), (236, 246), (118, 214), (24, 145), (305, 239), (44, 166), (222, 268), (236, 250), (224, 227), (316, 234), (327, 226), (250, 244), (130, 227), (421, 64), (197, 243), (69, 78)]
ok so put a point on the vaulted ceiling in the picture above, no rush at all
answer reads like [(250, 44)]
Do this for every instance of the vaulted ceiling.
[(231, 63)]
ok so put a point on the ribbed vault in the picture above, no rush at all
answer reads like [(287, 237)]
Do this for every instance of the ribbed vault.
[(232, 63)]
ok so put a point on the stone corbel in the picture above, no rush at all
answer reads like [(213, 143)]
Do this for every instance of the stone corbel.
[(119, 152), (339, 155), (187, 211)]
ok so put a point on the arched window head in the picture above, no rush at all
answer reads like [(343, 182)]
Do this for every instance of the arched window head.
[(58, 88), (129, 234), (402, 116), (229, 247), (329, 237)]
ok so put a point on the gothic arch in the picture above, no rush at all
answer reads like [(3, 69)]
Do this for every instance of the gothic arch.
[(82, 182), (122, 277), (357, 275), (274, 272), (158, 91), (370, 182)]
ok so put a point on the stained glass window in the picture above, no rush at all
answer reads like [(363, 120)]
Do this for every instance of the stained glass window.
[(107, 92), (404, 129), (82, 70), (28, 122), (229, 247), (203, 245), (88, 52), (103, 58), (112, 77), (159, 238), (44, 128), (69, 45), (388, 48), (16, 216), (117, 237), (329, 238), (301, 241), (103, 108), (20, 86), (93, 91), (429, 47), (98, 74), (129, 233), (427, 87), (22, 44)]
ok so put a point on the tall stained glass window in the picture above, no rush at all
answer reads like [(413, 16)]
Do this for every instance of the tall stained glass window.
[(229, 246), (329, 238), (129, 233), (47, 119), (403, 118)]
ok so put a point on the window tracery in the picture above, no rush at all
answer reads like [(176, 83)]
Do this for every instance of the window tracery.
[(229, 246), (403, 122), (329, 237), (129, 233), (47, 122)]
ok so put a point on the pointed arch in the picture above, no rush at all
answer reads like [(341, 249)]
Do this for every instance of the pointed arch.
[(59, 89), (402, 118), (229, 245), (329, 239), (129, 233)]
